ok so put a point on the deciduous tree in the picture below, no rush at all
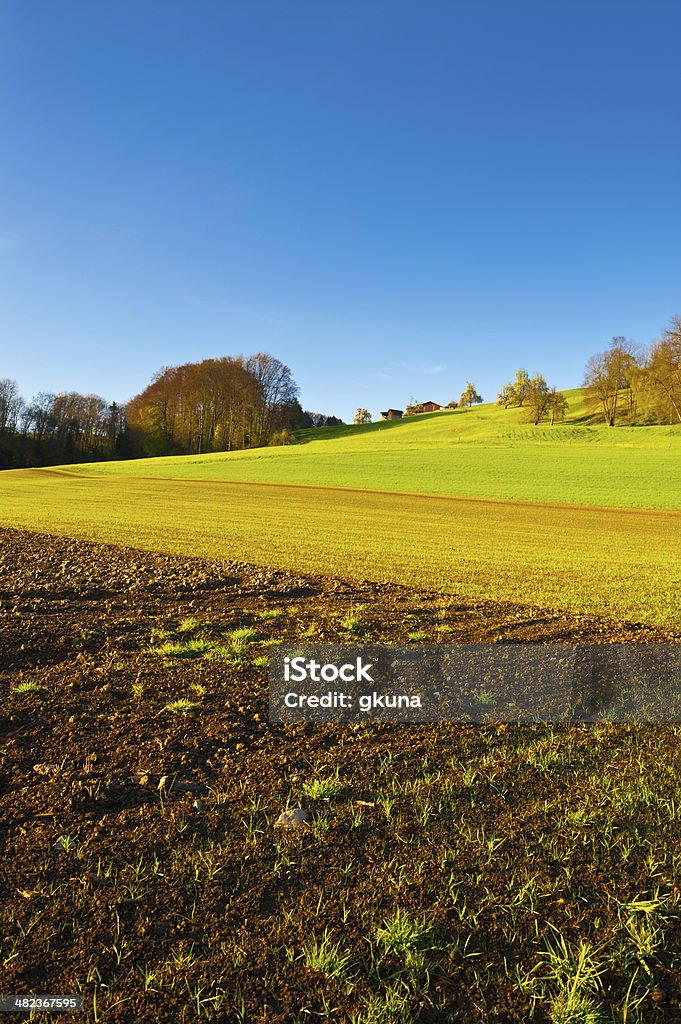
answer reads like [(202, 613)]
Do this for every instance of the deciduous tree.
[(469, 396), (660, 377), (11, 405), (538, 398), (608, 375), (558, 405)]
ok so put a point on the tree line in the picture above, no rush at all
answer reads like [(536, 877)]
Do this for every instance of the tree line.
[(237, 402), (625, 383), (51, 429), (218, 404), (540, 401), (638, 385)]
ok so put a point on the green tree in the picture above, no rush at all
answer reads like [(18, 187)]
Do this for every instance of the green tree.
[(558, 405), (515, 392), (520, 388), (362, 416), (537, 397), (469, 396), (505, 396), (660, 377)]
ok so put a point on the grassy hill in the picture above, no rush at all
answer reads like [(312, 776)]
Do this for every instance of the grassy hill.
[(485, 452), (472, 502)]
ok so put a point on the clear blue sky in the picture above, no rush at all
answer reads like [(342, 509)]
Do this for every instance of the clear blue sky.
[(391, 197)]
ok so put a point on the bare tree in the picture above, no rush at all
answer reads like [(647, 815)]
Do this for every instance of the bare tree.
[(11, 405), (277, 388), (39, 416), (608, 375)]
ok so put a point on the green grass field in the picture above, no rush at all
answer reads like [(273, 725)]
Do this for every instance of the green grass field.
[(486, 452), (471, 502)]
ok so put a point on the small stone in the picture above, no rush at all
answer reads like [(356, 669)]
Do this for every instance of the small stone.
[(658, 995), (98, 880), (291, 818), (187, 786)]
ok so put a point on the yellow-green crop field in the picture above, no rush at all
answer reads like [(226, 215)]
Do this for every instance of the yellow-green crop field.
[(392, 502), (486, 452)]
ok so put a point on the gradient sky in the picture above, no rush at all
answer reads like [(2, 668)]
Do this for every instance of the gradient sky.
[(391, 197)]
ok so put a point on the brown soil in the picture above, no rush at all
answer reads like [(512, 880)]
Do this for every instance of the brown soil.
[(183, 902)]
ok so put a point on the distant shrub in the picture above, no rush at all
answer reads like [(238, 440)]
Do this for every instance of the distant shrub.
[(281, 437)]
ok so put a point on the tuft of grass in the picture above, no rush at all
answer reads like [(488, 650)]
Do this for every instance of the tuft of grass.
[(404, 933), (323, 789), (575, 1008), (235, 650), (242, 635), (352, 621), (182, 706), (569, 982), (188, 625), (27, 687), (233, 653), (326, 956), (268, 614), (389, 1006), (185, 649)]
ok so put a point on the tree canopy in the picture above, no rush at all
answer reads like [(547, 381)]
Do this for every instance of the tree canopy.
[(215, 405)]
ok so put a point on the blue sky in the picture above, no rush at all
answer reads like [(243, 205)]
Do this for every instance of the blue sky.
[(391, 197)]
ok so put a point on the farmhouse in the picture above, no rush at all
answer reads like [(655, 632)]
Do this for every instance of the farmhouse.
[(392, 414), (429, 407)]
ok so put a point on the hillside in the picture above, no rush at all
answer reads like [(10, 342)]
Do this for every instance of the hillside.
[(484, 452), (472, 503)]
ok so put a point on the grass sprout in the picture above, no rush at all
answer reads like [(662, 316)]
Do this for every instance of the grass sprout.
[(323, 789), (182, 706), (185, 649), (326, 956), (404, 933)]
